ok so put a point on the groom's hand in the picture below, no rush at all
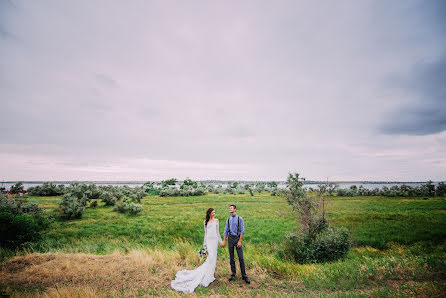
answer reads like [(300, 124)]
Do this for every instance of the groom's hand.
[(239, 244)]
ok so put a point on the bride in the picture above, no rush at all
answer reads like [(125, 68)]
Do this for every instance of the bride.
[(187, 280)]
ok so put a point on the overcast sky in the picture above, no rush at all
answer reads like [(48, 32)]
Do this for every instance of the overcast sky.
[(148, 90)]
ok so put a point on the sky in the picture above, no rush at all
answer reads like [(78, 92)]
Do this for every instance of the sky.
[(230, 90)]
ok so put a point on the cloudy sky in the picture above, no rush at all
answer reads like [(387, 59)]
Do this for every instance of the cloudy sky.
[(148, 90)]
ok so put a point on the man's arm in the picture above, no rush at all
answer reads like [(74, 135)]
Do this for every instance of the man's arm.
[(225, 234), (242, 232)]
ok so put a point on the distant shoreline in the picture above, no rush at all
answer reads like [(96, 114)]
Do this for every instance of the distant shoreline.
[(215, 181)]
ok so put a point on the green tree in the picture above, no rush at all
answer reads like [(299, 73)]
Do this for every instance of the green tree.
[(171, 181), (316, 241), (331, 188), (189, 182), (17, 188)]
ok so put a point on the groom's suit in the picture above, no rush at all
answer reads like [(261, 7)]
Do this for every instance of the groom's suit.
[(235, 227)]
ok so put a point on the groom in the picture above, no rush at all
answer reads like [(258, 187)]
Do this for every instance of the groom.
[(234, 230)]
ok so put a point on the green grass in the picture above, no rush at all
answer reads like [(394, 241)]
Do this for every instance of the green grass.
[(399, 244)]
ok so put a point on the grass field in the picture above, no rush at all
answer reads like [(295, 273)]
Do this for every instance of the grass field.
[(399, 249)]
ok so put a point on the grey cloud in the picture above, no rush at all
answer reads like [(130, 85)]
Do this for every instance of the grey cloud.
[(425, 114)]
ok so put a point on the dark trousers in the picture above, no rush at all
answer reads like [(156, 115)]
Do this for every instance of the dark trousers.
[(232, 242)]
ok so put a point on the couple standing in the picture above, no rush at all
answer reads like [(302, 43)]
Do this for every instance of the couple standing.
[(187, 280)]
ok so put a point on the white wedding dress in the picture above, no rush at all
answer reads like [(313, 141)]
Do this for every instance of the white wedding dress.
[(187, 280)]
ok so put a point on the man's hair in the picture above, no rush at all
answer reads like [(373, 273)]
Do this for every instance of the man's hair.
[(235, 207)]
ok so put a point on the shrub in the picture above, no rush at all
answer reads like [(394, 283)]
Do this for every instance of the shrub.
[(166, 183), (129, 207), (218, 189), (134, 208), (17, 188), (110, 197), (71, 207), (121, 208), (441, 189), (74, 201), (329, 245), (240, 190), (189, 182), (185, 192), (137, 194), (425, 190), (20, 222), (18, 206), (94, 204), (275, 191), (150, 188), (92, 191), (260, 187), (169, 192), (47, 189), (229, 189)]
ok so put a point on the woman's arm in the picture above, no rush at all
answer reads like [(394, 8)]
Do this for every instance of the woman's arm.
[(204, 241), (218, 233)]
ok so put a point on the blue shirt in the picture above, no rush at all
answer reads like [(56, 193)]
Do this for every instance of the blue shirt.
[(233, 222)]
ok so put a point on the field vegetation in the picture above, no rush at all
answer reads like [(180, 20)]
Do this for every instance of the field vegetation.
[(398, 248)]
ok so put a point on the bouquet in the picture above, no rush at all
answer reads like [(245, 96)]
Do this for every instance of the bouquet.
[(203, 252)]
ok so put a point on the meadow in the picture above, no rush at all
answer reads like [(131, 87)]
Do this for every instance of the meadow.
[(398, 249)]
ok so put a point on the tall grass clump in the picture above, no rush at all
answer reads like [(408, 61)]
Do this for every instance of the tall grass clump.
[(315, 241)]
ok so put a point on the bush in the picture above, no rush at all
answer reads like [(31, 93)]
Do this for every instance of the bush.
[(20, 222), (17, 188), (134, 208), (129, 207), (425, 190), (329, 245), (92, 191), (74, 201), (121, 208), (47, 189), (94, 204), (151, 189), (137, 194), (169, 192), (189, 182), (71, 207), (18, 206), (185, 192), (441, 189), (275, 192), (229, 189), (110, 197)]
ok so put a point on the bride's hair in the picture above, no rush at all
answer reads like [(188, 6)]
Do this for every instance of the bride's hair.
[(208, 215)]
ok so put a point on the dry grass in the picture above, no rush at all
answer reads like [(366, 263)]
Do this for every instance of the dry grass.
[(91, 273), (148, 273), (134, 274)]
